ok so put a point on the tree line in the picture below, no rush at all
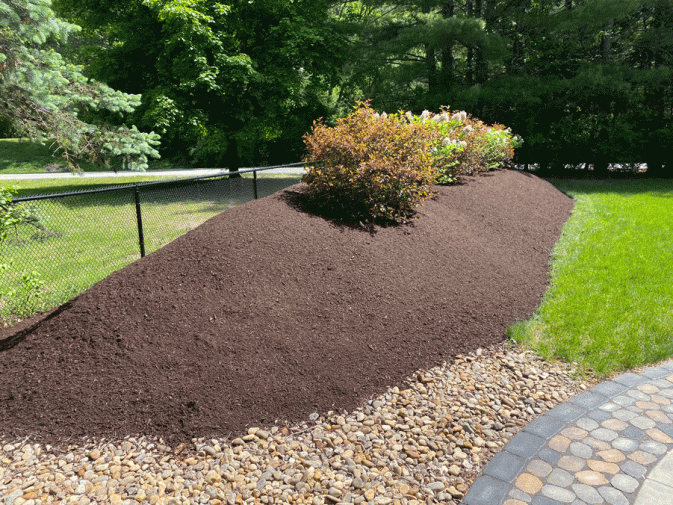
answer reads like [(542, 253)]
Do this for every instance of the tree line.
[(239, 83)]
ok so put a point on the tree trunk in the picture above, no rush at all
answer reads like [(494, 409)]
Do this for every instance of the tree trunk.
[(469, 71), (447, 61), (607, 41), (430, 62)]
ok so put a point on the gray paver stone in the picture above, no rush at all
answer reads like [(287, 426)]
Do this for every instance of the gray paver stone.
[(638, 395), (625, 444), (662, 383), (634, 433), (558, 493), (642, 422), (560, 477), (539, 468), (624, 400), (653, 447), (630, 379), (587, 424), (543, 500), (545, 427), (609, 389), (517, 494), (524, 445), (624, 483), (588, 400), (613, 496), (567, 412), (486, 491), (549, 455), (624, 415), (634, 469), (505, 467), (604, 434), (599, 415), (581, 450), (656, 373), (587, 494)]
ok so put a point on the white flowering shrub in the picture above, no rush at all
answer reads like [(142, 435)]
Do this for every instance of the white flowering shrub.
[(466, 145)]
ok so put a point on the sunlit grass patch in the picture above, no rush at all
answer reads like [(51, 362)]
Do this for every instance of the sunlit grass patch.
[(609, 305)]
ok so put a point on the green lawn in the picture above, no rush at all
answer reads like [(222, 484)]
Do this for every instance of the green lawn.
[(85, 238), (609, 305), (23, 156)]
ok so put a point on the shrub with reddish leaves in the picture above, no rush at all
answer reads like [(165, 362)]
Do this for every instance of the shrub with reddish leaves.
[(374, 168)]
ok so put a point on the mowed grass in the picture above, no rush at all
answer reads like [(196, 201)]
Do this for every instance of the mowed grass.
[(609, 305), (87, 237), (24, 156)]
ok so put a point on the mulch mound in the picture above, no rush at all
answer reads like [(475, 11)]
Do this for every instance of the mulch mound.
[(267, 313)]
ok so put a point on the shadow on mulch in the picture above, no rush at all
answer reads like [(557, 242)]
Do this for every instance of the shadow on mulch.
[(266, 313)]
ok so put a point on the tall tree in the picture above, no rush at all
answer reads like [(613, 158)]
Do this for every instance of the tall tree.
[(223, 82), (44, 97)]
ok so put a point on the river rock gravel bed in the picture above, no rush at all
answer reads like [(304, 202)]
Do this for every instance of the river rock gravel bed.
[(422, 443)]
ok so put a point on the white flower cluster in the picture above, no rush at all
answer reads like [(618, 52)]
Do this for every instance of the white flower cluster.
[(426, 115), (458, 143), (461, 116)]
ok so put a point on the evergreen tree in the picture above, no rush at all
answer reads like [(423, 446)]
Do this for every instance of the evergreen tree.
[(46, 98)]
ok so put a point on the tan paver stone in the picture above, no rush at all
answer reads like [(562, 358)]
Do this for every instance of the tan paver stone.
[(660, 400), (647, 405), (603, 467), (528, 483), (659, 436), (611, 455), (591, 478), (571, 463), (658, 416), (596, 444), (514, 502), (574, 433), (648, 389), (559, 443), (614, 424), (642, 458)]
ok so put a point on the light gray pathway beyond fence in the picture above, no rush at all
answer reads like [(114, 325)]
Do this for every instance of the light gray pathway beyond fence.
[(196, 172)]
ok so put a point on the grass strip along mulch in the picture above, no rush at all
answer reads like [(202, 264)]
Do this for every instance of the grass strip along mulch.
[(610, 301), (267, 313)]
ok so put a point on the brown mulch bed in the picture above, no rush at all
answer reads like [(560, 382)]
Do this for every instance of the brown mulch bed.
[(267, 313)]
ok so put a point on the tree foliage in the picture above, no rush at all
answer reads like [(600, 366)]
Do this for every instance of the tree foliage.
[(224, 84), (583, 81), (45, 97)]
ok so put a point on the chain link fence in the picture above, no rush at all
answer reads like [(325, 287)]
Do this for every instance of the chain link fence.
[(67, 242)]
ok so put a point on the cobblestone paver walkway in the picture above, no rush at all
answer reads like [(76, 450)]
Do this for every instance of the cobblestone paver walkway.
[(610, 445)]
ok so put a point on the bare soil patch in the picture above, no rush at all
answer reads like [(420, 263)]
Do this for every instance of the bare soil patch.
[(267, 313)]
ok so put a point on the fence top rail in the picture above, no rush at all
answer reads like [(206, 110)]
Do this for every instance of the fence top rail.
[(119, 187)]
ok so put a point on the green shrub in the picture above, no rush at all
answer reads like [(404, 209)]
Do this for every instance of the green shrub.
[(369, 166), (26, 298), (466, 145), (372, 166)]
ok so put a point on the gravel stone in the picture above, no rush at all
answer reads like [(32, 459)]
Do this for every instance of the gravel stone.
[(421, 442)]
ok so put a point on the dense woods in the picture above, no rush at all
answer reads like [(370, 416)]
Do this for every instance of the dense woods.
[(582, 81)]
